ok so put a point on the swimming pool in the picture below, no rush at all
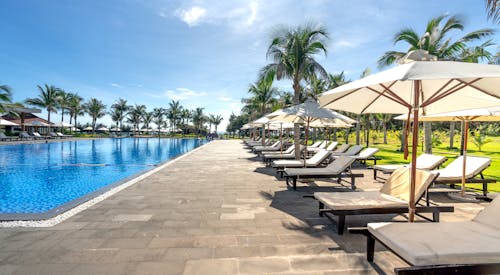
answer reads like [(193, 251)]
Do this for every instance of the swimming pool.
[(38, 178)]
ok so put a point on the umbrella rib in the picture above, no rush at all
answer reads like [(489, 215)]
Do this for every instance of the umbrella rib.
[(448, 92), (396, 99), (399, 99), (440, 89), (477, 88), (340, 97)]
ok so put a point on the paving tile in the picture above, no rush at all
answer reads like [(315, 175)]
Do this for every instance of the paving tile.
[(263, 265), (126, 243), (211, 267), (159, 268), (177, 253)]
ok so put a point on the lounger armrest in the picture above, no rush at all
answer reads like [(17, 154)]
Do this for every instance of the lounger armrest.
[(450, 269)]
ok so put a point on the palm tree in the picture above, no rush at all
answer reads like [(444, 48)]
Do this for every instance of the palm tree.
[(5, 97), (198, 119), (185, 117), (115, 116), (96, 109), (158, 118), (147, 118), (75, 107), (174, 111), (292, 52), (384, 119), (63, 102), (46, 99), (120, 107), (210, 118), (316, 86), (493, 10), (336, 80), (135, 115), (263, 95), (435, 42), (216, 121)]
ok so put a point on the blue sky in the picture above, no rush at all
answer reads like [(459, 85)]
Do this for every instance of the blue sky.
[(203, 53)]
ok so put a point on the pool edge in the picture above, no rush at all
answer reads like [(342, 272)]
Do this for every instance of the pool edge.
[(71, 208)]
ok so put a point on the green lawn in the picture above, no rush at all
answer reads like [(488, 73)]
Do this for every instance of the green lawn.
[(389, 154)]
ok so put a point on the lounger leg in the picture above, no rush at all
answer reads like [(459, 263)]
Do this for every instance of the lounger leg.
[(370, 248), (435, 216), (341, 225), (321, 205), (374, 174), (294, 183), (485, 185), (353, 182)]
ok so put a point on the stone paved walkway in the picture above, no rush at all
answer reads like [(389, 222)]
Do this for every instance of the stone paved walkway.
[(215, 211)]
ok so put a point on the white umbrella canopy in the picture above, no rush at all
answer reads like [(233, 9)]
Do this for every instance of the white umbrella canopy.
[(114, 129), (89, 128), (103, 129), (4, 122), (472, 86), (428, 87)]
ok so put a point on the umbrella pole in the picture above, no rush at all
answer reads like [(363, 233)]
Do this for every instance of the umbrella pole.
[(281, 139), (466, 136), (413, 166), (307, 137)]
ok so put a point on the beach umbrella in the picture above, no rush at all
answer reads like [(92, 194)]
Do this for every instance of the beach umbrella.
[(490, 114), (89, 128), (426, 87), (114, 129), (308, 112), (103, 129), (4, 122)]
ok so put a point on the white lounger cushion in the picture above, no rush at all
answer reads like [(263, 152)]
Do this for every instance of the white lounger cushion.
[(367, 153), (357, 200), (454, 170), (424, 162), (337, 167), (440, 243), (314, 161)]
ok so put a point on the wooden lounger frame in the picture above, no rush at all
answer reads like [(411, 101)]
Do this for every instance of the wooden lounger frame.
[(426, 269), (344, 174), (342, 213)]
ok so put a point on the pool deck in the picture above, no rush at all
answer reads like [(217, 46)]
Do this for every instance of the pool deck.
[(216, 210)]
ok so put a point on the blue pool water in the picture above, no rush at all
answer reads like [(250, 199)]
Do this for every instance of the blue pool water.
[(36, 178)]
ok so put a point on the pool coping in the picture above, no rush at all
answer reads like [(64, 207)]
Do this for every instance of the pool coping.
[(71, 208)]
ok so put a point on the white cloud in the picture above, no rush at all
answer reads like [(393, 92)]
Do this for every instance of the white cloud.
[(183, 93), (116, 85), (235, 14), (225, 98), (344, 44), (191, 16)]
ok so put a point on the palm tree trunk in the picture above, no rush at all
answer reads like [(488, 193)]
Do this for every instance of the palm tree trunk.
[(296, 126), (358, 130), (48, 119), (93, 125), (427, 138), (452, 133), (384, 128)]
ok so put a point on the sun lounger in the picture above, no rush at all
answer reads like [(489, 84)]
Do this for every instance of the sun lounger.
[(330, 147), (59, 134), (37, 135), (315, 161), (365, 155), (288, 154), (424, 162), (3, 137), (316, 144), (475, 166), (342, 148), (393, 198), (274, 147), (352, 151), (341, 167), (25, 136), (443, 248), (259, 143)]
